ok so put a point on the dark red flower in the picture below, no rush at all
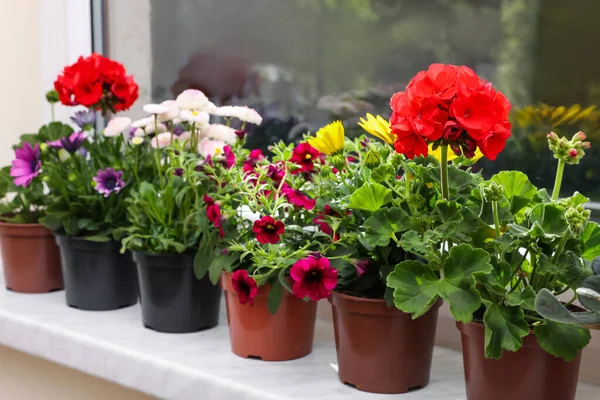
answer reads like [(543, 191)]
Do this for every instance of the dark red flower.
[(213, 214), (313, 277), (240, 133), (268, 230), (254, 158), (299, 199), (452, 130), (361, 267), (275, 173), (304, 156), (323, 224), (244, 286)]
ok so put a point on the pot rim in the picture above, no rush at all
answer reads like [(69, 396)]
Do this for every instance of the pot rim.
[(80, 242), (24, 230), (361, 305), (162, 255)]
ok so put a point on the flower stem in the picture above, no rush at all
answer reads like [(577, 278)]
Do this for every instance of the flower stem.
[(561, 246), (52, 112), (496, 219), (444, 172), (157, 154), (558, 180)]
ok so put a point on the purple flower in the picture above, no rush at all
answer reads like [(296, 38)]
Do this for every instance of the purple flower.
[(108, 181), (84, 119), (178, 130), (178, 172), (70, 143), (27, 164)]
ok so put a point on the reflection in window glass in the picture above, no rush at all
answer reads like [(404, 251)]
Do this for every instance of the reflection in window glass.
[(303, 63)]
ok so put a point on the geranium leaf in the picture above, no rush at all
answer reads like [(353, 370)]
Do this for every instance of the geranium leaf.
[(383, 173), (413, 242), (590, 297), (562, 340), (370, 197), (549, 307), (524, 298), (517, 189), (464, 260), (383, 226), (591, 241), (548, 221), (504, 329), (416, 287)]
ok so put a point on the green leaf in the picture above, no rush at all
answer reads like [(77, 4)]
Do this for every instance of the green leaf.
[(54, 221), (181, 195), (449, 211), (591, 241), (464, 261), (504, 329), (590, 297), (549, 307), (416, 287), (203, 257), (370, 197), (411, 241), (383, 225), (548, 221), (517, 189), (275, 296), (383, 173), (524, 299), (562, 340), (218, 265)]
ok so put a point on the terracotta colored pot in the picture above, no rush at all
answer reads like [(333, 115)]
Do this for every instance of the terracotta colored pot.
[(530, 373), (381, 349), (254, 332), (30, 258)]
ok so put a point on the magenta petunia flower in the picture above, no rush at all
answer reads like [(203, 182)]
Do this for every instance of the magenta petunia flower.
[(299, 199), (313, 277), (108, 181), (26, 165), (70, 143), (245, 286)]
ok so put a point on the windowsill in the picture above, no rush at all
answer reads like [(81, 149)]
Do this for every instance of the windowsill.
[(116, 347)]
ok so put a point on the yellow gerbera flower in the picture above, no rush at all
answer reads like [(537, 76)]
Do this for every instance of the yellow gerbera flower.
[(451, 156), (329, 139), (379, 127)]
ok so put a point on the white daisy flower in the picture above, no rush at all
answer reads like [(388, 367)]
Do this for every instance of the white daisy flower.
[(208, 147), (198, 117), (155, 108), (150, 128), (192, 99), (220, 132), (142, 123), (172, 113), (117, 126), (161, 140), (139, 132), (244, 113), (184, 138)]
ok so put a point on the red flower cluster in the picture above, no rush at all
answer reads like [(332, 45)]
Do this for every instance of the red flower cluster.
[(98, 83), (244, 286), (268, 230), (213, 213), (313, 277), (450, 105)]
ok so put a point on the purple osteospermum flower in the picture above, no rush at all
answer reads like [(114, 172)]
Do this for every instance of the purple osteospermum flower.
[(108, 181), (178, 130), (84, 119), (178, 172), (27, 164), (70, 143)]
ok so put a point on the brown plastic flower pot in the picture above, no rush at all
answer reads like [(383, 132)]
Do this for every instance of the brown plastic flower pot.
[(527, 374), (30, 258), (381, 349), (256, 333)]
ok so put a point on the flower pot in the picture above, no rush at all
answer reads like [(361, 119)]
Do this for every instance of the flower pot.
[(172, 299), (30, 258), (381, 349), (256, 333), (529, 373), (97, 276)]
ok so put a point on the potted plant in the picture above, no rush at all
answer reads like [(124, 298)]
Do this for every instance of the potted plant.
[(30, 257), (501, 241), (272, 269), (168, 213), (89, 178)]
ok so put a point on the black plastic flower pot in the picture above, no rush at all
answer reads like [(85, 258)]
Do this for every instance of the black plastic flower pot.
[(172, 299), (97, 276)]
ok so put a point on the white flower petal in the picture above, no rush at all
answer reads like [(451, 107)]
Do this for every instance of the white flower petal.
[(161, 140), (244, 113), (151, 127), (209, 147), (198, 117), (221, 132), (117, 126), (171, 113), (155, 108), (141, 123), (192, 99)]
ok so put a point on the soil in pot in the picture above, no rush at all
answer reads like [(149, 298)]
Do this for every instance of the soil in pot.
[(97, 276), (172, 299), (527, 374), (256, 333), (30, 258), (381, 349)]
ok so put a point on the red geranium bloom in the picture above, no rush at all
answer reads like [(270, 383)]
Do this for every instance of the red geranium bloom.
[(304, 156), (468, 81), (299, 199), (495, 141), (268, 230), (439, 82), (313, 277), (244, 286), (409, 143), (255, 157), (475, 113)]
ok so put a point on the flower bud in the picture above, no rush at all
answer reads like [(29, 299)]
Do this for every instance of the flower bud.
[(372, 159), (569, 151), (577, 218), (72, 177), (492, 191), (452, 130), (552, 138), (338, 162), (43, 147), (384, 152), (579, 137), (52, 96), (63, 155)]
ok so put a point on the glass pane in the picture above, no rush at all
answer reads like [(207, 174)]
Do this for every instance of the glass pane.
[(303, 63)]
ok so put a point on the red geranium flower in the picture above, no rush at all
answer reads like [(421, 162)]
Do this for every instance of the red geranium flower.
[(313, 277), (268, 230), (244, 286), (254, 158), (439, 82), (299, 199), (495, 141), (304, 156)]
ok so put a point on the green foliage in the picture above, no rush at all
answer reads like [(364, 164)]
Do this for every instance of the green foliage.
[(505, 326), (562, 340), (370, 197)]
